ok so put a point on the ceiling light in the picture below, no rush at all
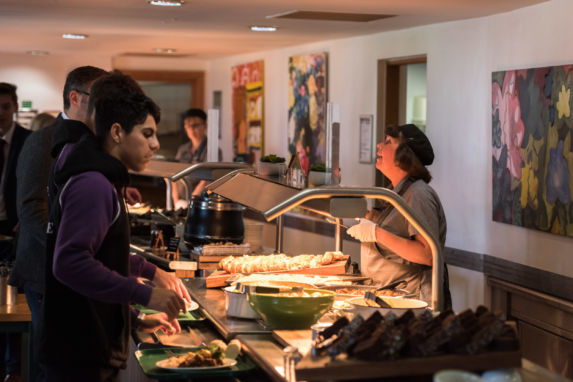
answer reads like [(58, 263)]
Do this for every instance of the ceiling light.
[(75, 36), (167, 3), (164, 50), (263, 28), (38, 52)]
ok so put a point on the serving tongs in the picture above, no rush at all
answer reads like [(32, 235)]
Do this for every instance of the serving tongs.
[(372, 300)]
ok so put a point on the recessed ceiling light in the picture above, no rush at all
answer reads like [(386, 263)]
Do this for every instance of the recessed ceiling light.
[(263, 28), (75, 36), (38, 52), (167, 3), (164, 50)]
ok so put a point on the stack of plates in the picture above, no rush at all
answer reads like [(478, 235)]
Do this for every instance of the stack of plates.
[(225, 249)]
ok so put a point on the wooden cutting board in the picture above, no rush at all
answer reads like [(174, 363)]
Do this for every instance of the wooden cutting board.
[(218, 278)]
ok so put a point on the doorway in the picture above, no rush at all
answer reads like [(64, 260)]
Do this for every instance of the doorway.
[(174, 92), (401, 97)]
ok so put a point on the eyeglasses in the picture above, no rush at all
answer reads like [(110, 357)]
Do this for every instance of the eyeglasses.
[(196, 125), (82, 92)]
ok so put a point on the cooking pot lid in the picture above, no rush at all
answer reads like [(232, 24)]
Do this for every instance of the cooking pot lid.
[(214, 202)]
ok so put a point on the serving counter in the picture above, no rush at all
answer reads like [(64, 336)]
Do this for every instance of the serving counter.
[(266, 348)]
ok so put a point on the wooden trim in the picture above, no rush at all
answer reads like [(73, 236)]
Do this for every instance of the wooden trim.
[(464, 259), (408, 60), (195, 78), (529, 277)]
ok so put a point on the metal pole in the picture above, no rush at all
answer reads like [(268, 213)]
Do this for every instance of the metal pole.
[(168, 199), (338, 235), (279, 238)]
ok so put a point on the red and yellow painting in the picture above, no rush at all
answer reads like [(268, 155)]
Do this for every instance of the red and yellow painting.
[(248, 107)]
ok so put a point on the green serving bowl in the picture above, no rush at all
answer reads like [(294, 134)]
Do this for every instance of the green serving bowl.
[(290, 311)]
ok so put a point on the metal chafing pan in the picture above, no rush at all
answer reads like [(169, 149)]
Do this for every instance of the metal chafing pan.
[(360, 290)]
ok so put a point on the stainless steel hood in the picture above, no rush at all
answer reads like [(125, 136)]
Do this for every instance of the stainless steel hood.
[(173, 171), (202, 171)]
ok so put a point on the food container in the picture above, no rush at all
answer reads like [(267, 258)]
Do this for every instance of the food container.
[(399, 306), (344, 292), (298, 310), (213, 219), (236, 304)]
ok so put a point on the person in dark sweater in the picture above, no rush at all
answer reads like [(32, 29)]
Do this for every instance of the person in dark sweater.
[(88, 286)]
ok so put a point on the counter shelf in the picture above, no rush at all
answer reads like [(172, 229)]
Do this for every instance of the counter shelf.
[(333, 202)]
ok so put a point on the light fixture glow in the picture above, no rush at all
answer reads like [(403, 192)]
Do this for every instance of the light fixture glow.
[(167, 3), (75, 36), (164, 50), (37, 52), (262, 28)]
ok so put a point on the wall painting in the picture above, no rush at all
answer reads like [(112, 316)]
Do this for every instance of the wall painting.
[(248, 106), (307, 98), (532, 148)]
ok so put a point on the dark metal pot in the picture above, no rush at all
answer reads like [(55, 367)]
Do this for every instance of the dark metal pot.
[(213, 219)]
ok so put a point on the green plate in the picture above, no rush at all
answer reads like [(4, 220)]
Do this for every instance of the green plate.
[(148, 359), (187, 317)]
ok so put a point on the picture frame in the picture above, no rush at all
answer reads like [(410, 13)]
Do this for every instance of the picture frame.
[(366, 126)]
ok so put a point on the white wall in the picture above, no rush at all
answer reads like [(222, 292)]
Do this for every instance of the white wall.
[(461, 57), (41, 78)]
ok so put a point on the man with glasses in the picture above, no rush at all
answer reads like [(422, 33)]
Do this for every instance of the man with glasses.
[(194, 151)]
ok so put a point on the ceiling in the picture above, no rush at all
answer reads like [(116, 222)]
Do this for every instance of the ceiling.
[(207, 29)]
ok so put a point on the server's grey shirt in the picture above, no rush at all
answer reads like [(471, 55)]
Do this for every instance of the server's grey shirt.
[(384, 266)]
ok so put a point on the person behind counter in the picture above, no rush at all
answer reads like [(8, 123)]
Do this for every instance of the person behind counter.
[(391, 248), (194, 151), (85, 322)]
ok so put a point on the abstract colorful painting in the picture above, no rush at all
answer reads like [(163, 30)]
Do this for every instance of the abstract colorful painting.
[(248, 106), (307, 108), (532, 148)]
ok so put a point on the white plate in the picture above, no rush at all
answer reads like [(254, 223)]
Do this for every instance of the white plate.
[(456, 376), (227, 362), (191, 306)]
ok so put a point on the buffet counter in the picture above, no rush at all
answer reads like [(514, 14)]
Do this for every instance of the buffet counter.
[(266, 347)]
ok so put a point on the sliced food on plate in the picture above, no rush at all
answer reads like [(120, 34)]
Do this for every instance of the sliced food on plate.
[(217, 354)]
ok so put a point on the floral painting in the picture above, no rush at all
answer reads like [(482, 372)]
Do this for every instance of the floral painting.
[(532, 148), (248, 104), (307, 108)]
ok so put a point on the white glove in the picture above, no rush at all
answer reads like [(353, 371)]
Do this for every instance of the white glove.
[(365, 231)]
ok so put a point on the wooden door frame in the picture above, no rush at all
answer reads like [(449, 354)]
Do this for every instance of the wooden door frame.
[(194, 78), (388, 96)]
